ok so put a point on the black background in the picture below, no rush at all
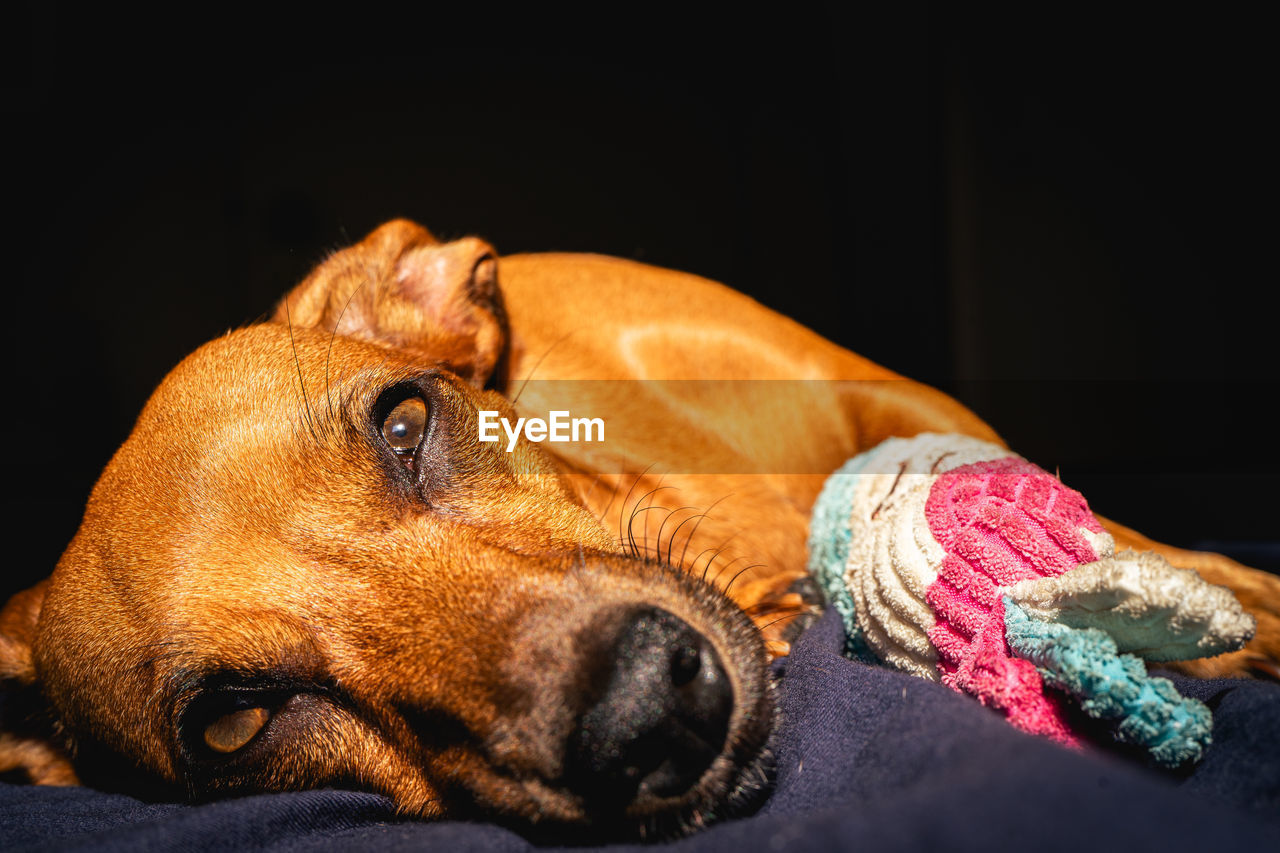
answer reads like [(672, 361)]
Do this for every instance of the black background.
[(1063, 217)]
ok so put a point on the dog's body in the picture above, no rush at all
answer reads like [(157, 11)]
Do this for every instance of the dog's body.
[(303, 569)]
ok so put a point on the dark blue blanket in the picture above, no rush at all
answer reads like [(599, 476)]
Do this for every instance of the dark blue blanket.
[(867, 760)]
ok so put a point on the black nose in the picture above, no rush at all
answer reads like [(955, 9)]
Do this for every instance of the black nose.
[(660, 716)]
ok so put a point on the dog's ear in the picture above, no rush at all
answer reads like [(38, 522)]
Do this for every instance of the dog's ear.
[(401, 287), (29, 750)]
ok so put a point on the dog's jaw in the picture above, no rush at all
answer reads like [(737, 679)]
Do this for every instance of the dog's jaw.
[(557, 806)]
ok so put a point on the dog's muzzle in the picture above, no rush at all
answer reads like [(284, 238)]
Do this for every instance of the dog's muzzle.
[(659, 716)]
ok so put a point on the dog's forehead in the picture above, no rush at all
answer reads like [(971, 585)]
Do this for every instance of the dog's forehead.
[(270, 369), (240, 421)]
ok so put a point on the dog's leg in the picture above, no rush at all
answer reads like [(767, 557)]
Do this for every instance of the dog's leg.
[(647, 335), (29, 751)]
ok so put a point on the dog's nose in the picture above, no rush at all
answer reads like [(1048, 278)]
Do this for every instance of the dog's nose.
[(661, 716)]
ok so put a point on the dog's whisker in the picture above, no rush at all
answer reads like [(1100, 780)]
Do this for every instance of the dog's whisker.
[(613, 495), (631, 517), (595, 481), (334, 334), (537, 364), (302, 385), (694, 518), (632, 548), (318, 459), (761, 608), (644, 547), (740, 573), (578, 570), (718, 551), (715, 552), (650, 495), (663, 526), (715, 580), (696, 525), (768, 625), (624, 538), (650, 554)]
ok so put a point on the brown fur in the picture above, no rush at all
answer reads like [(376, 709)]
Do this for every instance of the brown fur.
[(427, 628)]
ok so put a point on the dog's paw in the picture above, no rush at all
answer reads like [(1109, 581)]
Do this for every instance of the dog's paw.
[(785, 614)]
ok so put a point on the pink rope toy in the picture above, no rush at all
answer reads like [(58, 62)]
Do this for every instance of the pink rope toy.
[(958, 561)]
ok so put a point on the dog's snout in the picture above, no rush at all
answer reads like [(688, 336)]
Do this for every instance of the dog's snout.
[(660, 715)]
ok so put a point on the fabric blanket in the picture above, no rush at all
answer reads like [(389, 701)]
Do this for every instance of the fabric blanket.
[(867, 759)]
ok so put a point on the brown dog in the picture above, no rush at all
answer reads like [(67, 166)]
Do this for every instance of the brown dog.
[(303, 569)]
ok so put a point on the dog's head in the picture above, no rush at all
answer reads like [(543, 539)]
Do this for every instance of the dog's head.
[(302, 569)]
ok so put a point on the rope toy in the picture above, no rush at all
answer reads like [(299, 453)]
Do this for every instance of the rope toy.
[(955, 560)]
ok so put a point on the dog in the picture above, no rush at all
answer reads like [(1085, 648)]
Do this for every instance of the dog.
[(305, 568)]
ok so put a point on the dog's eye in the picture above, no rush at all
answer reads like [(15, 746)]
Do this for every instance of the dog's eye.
[(405, 424), (232, 731)]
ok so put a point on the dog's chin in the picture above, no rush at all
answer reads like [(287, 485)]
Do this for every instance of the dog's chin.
[(734, 785), (716, 798)]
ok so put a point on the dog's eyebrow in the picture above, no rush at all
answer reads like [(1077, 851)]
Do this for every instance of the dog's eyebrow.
[(295, 663), (344, 403), (357, 392), (184, 684)]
